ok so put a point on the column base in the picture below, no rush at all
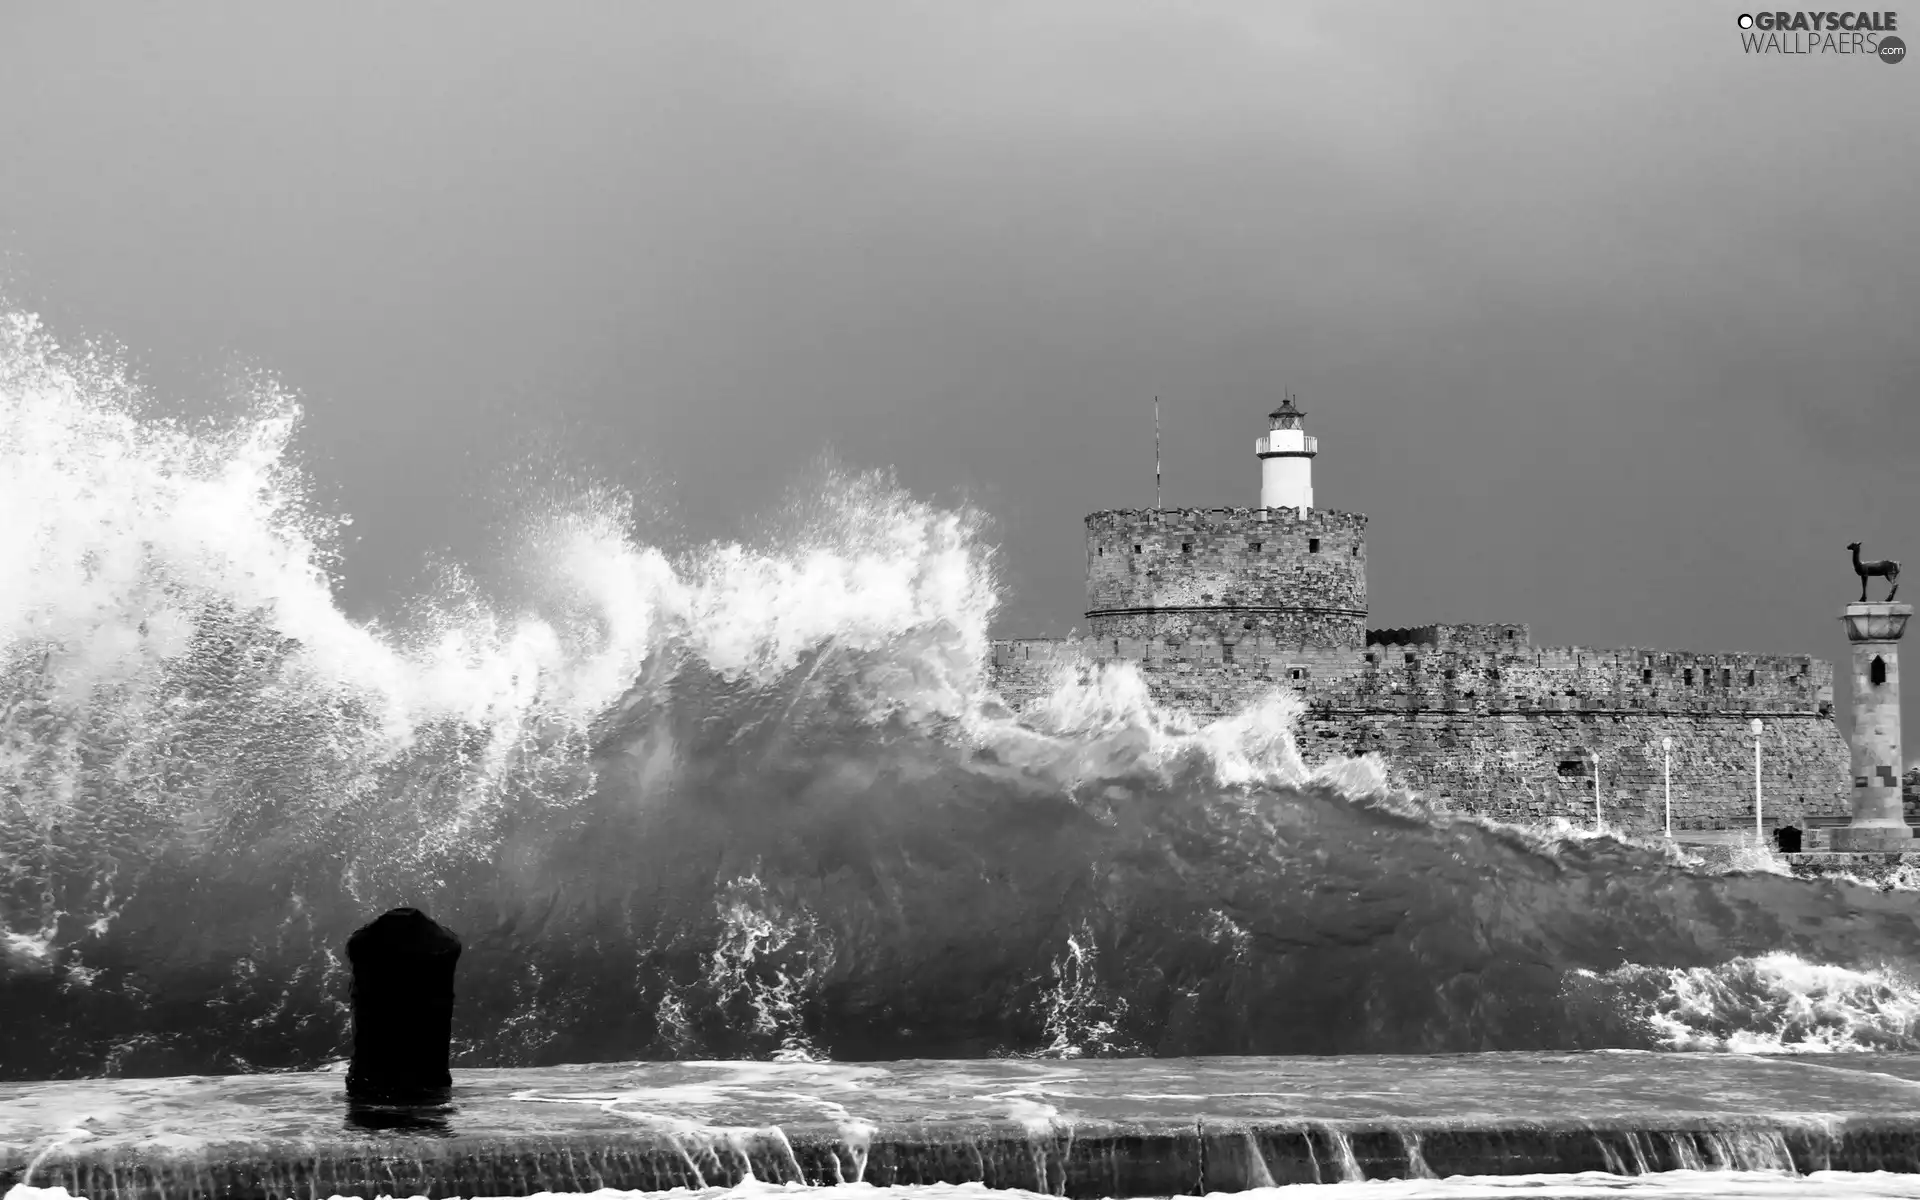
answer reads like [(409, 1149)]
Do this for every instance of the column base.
[(1872, 837)]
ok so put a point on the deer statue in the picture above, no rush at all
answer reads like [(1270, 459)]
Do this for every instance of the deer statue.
[(1885, 568)]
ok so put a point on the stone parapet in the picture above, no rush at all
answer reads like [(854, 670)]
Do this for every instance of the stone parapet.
[(1872, 838), (1885, 869)]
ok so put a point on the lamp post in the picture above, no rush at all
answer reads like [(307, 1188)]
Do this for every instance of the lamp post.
[(1666, 756), (1758, 837), (1599, 826)]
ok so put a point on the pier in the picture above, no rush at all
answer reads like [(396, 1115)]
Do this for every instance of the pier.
[(1106, 1128)]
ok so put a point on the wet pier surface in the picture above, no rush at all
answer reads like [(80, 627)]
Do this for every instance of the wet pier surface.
[(1080, 1128)]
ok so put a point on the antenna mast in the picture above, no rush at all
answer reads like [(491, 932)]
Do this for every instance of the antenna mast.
[(1156, 454)]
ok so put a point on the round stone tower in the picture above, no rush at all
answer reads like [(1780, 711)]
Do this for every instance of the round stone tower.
[(1288, 572)]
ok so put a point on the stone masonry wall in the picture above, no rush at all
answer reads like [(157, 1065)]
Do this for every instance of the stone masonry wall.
[(1295, 577), (1021, 669), (1533, 767), (1506, 732), (1499, 637)]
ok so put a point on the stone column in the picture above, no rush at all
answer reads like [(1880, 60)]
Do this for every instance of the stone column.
[(1874, 631)]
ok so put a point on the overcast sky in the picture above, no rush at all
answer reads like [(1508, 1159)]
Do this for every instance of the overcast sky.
[(1608, 326)]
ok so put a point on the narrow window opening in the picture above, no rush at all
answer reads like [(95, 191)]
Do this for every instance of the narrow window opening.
[(1186, 547), (1689, 676), (1749, 678), (1509, 635), (1136, 549), (1726, 677), (1879, 672), (1101, 551), (1356, 552), (1253, 547), (1116, 647), (1646, 675), (1313, 545), (1226, 651)]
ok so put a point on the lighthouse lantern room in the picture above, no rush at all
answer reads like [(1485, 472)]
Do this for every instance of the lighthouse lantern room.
[(1286, 460)]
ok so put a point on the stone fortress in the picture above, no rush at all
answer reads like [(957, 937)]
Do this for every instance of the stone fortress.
[(1219, 606)]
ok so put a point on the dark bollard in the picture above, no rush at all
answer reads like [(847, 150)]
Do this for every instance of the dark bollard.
[(402, 1009)]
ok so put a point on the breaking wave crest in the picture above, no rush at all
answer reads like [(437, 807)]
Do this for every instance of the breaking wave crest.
[(1770, 1004), (752, 799)]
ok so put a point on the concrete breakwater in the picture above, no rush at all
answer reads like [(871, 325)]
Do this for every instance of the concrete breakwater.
[(1110, 1128)]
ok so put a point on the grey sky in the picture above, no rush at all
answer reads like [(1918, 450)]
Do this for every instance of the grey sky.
[(1608, 326)]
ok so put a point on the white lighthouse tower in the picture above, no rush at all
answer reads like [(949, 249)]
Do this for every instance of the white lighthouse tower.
[(1286, 460)]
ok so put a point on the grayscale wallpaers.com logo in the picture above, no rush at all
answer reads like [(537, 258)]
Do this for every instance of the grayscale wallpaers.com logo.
[(1863, 33)]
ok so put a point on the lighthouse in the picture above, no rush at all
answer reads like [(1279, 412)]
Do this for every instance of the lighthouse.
[(1286, 460)]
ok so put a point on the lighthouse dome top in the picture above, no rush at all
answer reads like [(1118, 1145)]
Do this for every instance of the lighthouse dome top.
[(1287, 416)]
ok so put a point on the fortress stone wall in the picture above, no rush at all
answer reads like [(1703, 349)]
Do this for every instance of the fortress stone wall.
[(1481, 719)]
